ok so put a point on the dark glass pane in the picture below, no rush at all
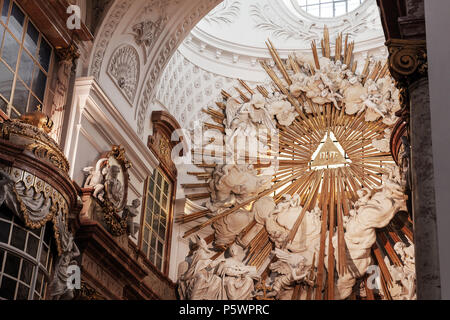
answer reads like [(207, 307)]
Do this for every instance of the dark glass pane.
[(22, 292), (36, 232), (162, 232), (44, 289), (32, 245), (39, 281), (153, 244), (18, 238), (26, 68), (145, 248), (160, 248), (10, 50), (6, 81), (146, 234), (150, 204), (8, 288), (155, 224), (159, 262), (16, 21), (158, 194), (5, 10), (159, 180), (164, 202), (45, 53), (31, 39), (39, 83), (14, 114), (3, 105), (5, 228), (27, 272), (157, 210), (151, 186), (34, 103), (48, 234), (152, 255), (21, 94), (44, 254), (166, 188), (5, 214), (2, 31), (148, 217), (2, 255), (12, 265)]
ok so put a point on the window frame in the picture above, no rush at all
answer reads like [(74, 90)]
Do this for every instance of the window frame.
[(169, 220), (305, 7), (11, 110), (38, 269)]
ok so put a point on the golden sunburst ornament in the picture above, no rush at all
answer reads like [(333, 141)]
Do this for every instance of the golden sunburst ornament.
[(333, 126)]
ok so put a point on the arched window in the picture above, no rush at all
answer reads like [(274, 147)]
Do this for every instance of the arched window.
[(328, 8), (157, 219)]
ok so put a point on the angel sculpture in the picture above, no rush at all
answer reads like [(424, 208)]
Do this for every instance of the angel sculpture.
[(404, 284), (96, 178), (291, 268), (197, 280)]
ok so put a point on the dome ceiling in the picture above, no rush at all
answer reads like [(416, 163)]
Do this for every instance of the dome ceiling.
[(231, 39)]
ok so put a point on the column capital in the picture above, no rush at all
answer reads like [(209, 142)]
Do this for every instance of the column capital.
[(408, 61)]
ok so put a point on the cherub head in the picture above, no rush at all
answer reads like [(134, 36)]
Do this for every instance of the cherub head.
[(136, 203)]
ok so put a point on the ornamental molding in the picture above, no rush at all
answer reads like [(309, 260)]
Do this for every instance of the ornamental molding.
[(106, 33), (226, 13), (162, 58), (124, 70)]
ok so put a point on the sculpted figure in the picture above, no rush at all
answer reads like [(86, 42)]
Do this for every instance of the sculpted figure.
[(290, 269), (197, 280), (96, 179), (7, 195), (280, 219), (58, 286), (237, 278), (250, 124), (404, 276), (228, 228), (284, 111), (129, 213), (235, 183), (113, 186), (24, 201), (383, 145), (373, 213)]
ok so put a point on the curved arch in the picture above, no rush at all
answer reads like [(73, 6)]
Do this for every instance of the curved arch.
[(163, 26)]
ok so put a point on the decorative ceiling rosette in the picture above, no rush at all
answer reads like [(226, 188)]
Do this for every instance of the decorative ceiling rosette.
[(312, 195)]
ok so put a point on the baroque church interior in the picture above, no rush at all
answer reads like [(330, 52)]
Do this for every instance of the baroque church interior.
[(224, 150)]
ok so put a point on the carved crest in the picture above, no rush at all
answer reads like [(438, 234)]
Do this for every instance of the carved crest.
[(107, 182)]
